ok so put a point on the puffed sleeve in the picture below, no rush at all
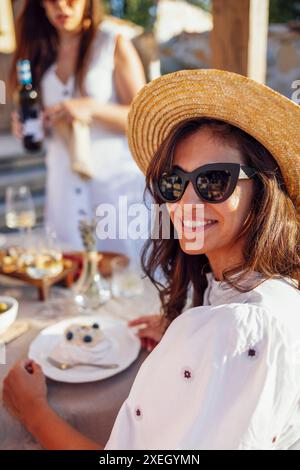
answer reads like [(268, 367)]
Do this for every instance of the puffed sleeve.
[(223, 377)]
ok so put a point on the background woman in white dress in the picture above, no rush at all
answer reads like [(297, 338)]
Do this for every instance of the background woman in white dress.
[(85, 71)]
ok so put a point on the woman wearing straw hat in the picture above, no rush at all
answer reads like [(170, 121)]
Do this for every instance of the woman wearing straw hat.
[(223, 153)]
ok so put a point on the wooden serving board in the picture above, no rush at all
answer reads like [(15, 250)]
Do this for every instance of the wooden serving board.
[(72, 268), (66, 276)]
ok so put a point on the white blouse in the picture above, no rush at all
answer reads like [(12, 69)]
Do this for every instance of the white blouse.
[(226, 375)]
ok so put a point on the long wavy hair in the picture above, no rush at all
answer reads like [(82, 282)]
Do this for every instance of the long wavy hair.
[(271, 231), (37, 41)]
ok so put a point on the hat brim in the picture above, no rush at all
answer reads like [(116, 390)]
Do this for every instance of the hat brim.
[(272, 119)]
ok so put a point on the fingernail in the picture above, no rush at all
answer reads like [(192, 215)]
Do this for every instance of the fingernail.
[(29, 367)]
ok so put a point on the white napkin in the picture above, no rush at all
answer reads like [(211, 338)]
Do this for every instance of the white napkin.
[(77, 138)]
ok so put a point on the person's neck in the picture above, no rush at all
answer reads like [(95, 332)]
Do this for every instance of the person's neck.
[(225, 258), (69, 38)]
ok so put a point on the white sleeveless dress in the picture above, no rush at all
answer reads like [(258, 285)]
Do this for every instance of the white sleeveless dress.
[(70, 198)]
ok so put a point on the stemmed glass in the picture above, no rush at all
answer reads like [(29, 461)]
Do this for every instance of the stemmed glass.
[(47, 260), (19, 209)]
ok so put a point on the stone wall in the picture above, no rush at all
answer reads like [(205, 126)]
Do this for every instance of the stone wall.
[(283, 58), (192, 50)]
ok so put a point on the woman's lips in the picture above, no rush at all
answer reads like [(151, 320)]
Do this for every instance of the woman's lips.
[(62, 18), (196, 226)]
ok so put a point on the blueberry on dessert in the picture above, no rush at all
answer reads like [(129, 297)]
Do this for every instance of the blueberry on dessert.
[(84, 335), (69, 335), (87, 339)]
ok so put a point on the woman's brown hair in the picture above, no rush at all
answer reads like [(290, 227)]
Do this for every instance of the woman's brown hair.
[(271, 231), (37, 40)]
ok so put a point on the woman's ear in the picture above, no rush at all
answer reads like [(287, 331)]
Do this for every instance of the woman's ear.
[(86, 23), (88, 13)]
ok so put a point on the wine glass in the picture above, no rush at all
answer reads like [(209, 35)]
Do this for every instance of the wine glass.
[(45, 259), (126, 278), (44, 255), (19, 209)]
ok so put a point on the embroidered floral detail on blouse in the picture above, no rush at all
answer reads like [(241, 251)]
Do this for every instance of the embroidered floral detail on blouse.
[(138, 413), (252, 353), (187, 373)]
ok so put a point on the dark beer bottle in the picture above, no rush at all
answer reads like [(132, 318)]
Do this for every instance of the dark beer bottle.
[(29, 109)]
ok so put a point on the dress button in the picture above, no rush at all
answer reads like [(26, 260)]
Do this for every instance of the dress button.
[(138, 413), (82, 212), (187, 373), (78, 190), (252, 353)]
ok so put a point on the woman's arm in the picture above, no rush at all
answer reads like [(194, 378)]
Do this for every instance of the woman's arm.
[(25, 396), (53, 433), (129, 79), (7, 30)]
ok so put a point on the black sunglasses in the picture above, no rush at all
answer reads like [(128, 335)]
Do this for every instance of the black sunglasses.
[(213, 183)]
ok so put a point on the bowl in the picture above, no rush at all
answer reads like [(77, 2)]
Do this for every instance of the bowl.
[(7, 318)]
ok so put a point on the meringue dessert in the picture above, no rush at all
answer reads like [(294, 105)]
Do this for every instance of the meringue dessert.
[(82, 343)]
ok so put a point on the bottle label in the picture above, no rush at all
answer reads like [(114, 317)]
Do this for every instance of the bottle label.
[(24, 72), (33, 127)]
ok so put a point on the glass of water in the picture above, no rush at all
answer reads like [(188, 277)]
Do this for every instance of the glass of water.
[(19, 209), (126, 278)]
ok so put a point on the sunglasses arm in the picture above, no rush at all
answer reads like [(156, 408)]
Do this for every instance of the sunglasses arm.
[(246, 173)]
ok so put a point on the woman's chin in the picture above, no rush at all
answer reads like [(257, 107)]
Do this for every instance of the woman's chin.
[(193, 247)]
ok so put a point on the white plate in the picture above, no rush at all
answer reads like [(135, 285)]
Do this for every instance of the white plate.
[(125, 349)]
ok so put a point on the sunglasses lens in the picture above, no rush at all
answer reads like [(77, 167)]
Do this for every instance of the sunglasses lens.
[(171, 186), (213, 185)]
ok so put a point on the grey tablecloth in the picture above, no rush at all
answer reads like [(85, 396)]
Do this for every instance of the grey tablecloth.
[(91, 408)]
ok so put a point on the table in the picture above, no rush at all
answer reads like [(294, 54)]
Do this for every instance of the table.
[(91, 408)]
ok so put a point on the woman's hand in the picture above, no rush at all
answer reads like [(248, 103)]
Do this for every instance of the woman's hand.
[(17, 126), (80, 109), (25, 396), (152, 329), (25, 391)]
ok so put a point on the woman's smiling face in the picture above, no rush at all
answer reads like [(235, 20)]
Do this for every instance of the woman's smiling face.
[(225, 219)]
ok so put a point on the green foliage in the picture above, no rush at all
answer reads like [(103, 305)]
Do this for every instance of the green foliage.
[(282, 11), (142, 12)]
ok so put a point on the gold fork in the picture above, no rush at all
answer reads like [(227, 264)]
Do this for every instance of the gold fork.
[(66, 366)]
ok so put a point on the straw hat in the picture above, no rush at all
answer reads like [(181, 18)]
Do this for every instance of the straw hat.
[(268, 116)]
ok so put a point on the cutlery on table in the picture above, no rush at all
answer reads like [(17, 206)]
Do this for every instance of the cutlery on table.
[(66, 366)]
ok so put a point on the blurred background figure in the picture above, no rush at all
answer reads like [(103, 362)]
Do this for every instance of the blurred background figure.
[(169, 35), (85, 72), (7, 28)]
